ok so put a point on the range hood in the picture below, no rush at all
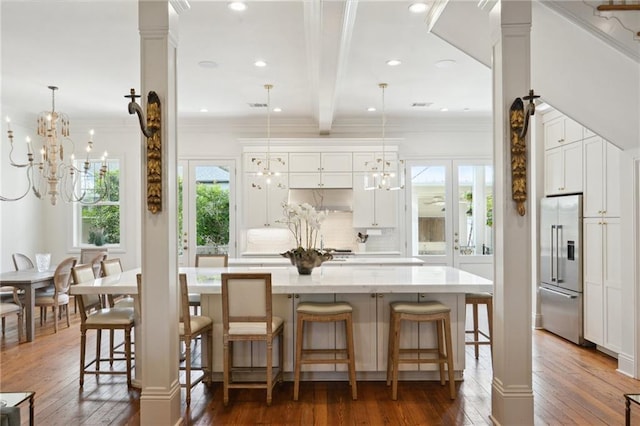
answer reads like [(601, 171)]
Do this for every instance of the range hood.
[(324, 199)]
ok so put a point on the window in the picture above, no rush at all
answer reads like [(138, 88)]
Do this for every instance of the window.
[(97, 219)]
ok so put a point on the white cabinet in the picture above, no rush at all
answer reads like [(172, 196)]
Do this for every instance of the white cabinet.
[(373, 208), (601, 179), (602, 282), (264, 201), (257, 161), (320, 170), (561, 130), (563, 169)]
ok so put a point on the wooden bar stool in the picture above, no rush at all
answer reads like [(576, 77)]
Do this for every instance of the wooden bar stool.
[(476, 299), (325, 312), (420, 312)]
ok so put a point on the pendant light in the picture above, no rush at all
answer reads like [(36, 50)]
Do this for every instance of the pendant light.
[(266, 173), (385, 174)]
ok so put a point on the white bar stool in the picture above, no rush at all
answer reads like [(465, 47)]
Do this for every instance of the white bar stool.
[(325, 312)]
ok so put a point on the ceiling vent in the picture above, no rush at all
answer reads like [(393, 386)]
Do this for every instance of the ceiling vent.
[(258, 105), (421, 104)]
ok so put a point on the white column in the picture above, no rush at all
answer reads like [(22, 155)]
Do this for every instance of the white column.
[(157, 352), (512, 395)]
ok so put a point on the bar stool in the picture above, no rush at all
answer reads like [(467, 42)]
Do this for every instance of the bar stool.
[(325, 312), (420, 312), (476, 299)]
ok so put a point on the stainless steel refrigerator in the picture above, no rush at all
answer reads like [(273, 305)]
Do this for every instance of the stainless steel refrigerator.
[(561, 266)]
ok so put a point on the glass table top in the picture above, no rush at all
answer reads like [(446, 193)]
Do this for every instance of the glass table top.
[(11, 399), (635, 397)]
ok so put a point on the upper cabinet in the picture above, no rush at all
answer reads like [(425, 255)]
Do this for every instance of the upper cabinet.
[(373, 209), (320, 169), (563, 169), (561, 130), (601, 178)]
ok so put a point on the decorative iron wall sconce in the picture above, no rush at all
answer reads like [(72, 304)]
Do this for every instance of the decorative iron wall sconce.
[(519, 124), (154, 146)]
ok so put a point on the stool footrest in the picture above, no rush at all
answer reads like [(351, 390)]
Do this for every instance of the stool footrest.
[(325, 361)]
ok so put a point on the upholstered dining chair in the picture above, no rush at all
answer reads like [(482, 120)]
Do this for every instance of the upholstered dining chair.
[(247, 317), (60, 296), (12, 307), (93, 316), (109, 267), (22, 262), (88, 254), (207, 261), (191, 327)]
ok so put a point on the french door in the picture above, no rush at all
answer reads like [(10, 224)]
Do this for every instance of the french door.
[(451, 213), (206, 219)]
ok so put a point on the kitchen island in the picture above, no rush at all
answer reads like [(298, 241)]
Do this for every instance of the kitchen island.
[(338, 260), (369, 289)]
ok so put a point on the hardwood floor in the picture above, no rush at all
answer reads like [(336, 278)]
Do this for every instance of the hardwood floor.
[(572, 385)]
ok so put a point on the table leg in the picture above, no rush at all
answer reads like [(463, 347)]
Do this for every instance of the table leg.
[(627, 412), (31, 420), (30, 301)]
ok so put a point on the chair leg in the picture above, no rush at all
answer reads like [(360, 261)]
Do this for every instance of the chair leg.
[(490, 321), (98, 348), (55, 318), (83, 345), (397, 324), (209, 364), (299, 343), (187, 366), (225, 373), (281, 357), (390, 350), (111, 346), (447, 337), (476, 336), (127, 354), (3, 325), (269, 371), (441, 348), (20, 315), (351, 354), (66, 310)]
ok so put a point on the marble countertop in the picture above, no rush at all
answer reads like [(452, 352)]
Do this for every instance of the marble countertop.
[(339, 260), (323, 280)]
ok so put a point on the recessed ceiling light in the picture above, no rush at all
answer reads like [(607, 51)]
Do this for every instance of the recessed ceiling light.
[(277, 109), (444, 109), (418, 7), (445, 63), (393, 62), (260, 64), (238, 6), (371, 109), (204, 110), (208, 64)]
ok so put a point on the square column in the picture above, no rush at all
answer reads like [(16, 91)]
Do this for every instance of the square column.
[(512, 394)]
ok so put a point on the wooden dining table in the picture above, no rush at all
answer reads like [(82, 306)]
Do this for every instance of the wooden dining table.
[(28, 280)]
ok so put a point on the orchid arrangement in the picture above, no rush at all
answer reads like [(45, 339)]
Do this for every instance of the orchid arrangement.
[(304, 222)]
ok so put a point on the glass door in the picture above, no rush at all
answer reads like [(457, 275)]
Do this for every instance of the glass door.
[(451, 214), (205, 220)]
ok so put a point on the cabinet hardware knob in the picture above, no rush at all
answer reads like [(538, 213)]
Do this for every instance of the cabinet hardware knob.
[(289, 296), (185, 248), (373, 295), (297, 296), (456, 247), (380, 296)]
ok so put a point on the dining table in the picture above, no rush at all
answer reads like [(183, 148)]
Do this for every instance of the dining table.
[(28, 280)]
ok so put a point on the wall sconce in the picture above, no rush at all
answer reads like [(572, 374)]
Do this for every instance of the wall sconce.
[(154, 146), (519, 124)]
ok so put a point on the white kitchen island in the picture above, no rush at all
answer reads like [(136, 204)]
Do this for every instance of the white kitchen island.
[(370, 289)]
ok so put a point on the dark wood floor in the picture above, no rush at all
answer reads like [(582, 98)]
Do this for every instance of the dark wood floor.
[(572, 385)]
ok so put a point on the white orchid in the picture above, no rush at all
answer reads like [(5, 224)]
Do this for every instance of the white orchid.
[(304, 222)]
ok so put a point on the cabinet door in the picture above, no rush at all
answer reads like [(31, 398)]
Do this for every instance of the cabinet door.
[(572, 167), (256, 161), (572, 131), (612, 284), (317, 335), (364, 331), (385, 209), (363, 161), (304, 162), (611, 204), (255, 202), (554, 133), (594, 175), (277, 195), (553, 171), (408, 333), (336, 180), (336, 162), (304, 180), (593, 287), (363, 204)]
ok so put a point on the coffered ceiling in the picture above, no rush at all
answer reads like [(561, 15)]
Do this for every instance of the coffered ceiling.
[(325, 60)]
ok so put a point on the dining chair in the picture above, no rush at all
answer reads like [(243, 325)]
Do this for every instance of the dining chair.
[(191, 327), (207, 261), (60, 296), (22, 261), (88, 254), (109, 267), (247, 317), (93, 316), (11, 307)]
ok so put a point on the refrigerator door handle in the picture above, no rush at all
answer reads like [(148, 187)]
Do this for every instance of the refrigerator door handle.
[(568, 296), (559, 238), (553, 256)]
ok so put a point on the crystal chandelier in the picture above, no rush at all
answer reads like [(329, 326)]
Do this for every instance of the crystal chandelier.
[(265, 172), (385, 174), (56, 175)]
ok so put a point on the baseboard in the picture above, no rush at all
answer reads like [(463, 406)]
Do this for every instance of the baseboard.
[(626, 365), (537, 321)]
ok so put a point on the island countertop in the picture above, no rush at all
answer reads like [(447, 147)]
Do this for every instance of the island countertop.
[(286, 280), (338, 260)]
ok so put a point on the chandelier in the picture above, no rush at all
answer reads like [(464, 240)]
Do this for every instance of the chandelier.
[(55, 174), (384, 174), (265, 172)]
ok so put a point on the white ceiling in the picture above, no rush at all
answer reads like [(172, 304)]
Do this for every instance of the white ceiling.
[(325, 60)]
